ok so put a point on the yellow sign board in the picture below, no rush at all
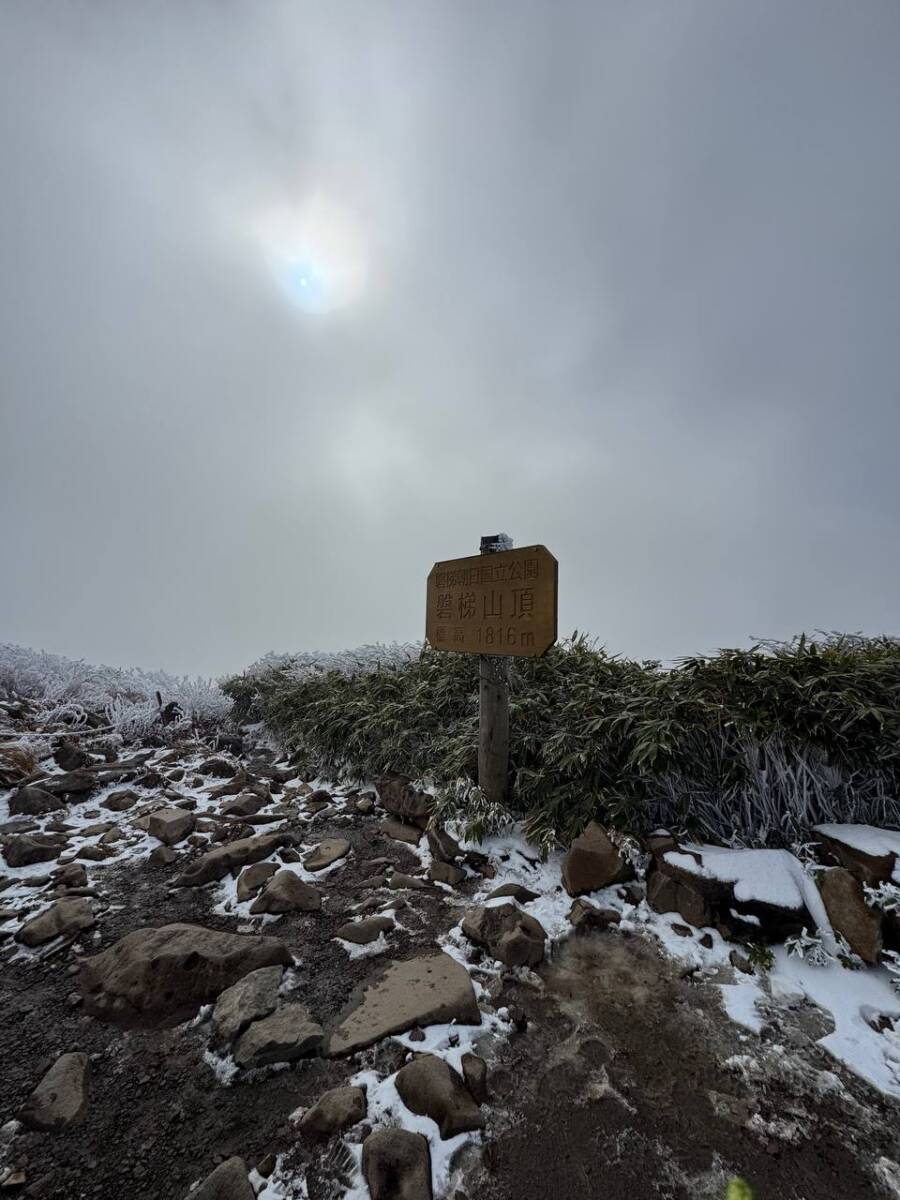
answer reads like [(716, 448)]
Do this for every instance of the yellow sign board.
[(503, 603)]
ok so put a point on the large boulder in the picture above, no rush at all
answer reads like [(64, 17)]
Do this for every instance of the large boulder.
[(397, 1165), (286, 1035), (61, 918), (865, 851), (61, 1098), (399, 797), (593, 862), (221, 861), (156, 973), (333, 1112), (171, 825), (326, 853), (30, 848), (229, 1181), (432, 989), (254, 996), (429, 1087), (34, 802), (508, 934), (286, 892), (743, 893), (845, 903)]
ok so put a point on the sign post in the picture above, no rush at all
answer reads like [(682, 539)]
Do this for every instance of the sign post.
[(497, 607), (493, 707)]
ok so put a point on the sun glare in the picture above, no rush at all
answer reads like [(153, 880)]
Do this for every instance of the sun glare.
[(314, 253)]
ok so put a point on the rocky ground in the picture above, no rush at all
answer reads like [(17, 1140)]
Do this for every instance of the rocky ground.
[(218, 975)]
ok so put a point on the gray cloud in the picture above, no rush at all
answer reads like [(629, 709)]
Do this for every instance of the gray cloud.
[(632, 291)]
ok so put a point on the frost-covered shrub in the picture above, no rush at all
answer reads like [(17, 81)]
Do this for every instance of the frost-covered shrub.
[(886, 897), (745, 746), (892, 962), (71, 692), (810, 948), (464, 804)]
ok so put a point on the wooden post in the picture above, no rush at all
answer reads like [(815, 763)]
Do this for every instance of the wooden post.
[(493, 713)]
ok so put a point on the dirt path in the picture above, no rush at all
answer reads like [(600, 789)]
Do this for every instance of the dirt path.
[(630, 1082)]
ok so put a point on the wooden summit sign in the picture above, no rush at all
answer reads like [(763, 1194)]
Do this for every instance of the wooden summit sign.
[(503, 603)]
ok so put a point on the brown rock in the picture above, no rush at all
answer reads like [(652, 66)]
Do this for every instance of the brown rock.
[(430, 1087), (247, 804), (400, 831), (120, 801), (252, 878), (362, 933), (397, 1165), (61, 918), (286, 1035), (61, 1098), (442, 845), (398, 881), (845, 903), (34, 802), (170, 825), (154, 973), (218, 863), (868, 868), (286, 892), (72, 876), (428, 990), (326, 853), (219, 767), (508, 934), (31, 848), (584, 915), (162, 856), (593, 862), (516, 891), (333, 1112), (77, 784), (229, 1181), (475, 1075), (443, 872), (398, 796), (95, 853), (667, 894), (254, 996)]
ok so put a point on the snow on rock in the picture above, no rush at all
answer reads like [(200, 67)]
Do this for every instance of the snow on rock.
[(867, 838), (773, 877), (871, 853)]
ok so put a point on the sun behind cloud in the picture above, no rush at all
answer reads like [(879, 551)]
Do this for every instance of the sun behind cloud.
[(314, 252)]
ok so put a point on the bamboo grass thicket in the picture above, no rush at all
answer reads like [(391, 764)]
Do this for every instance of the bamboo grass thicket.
[(746, 746)]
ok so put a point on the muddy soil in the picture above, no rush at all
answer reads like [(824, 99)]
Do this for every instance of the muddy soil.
[(628, 1084)]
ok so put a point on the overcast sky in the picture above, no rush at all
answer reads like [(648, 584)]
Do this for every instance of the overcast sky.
[(297, 298)]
